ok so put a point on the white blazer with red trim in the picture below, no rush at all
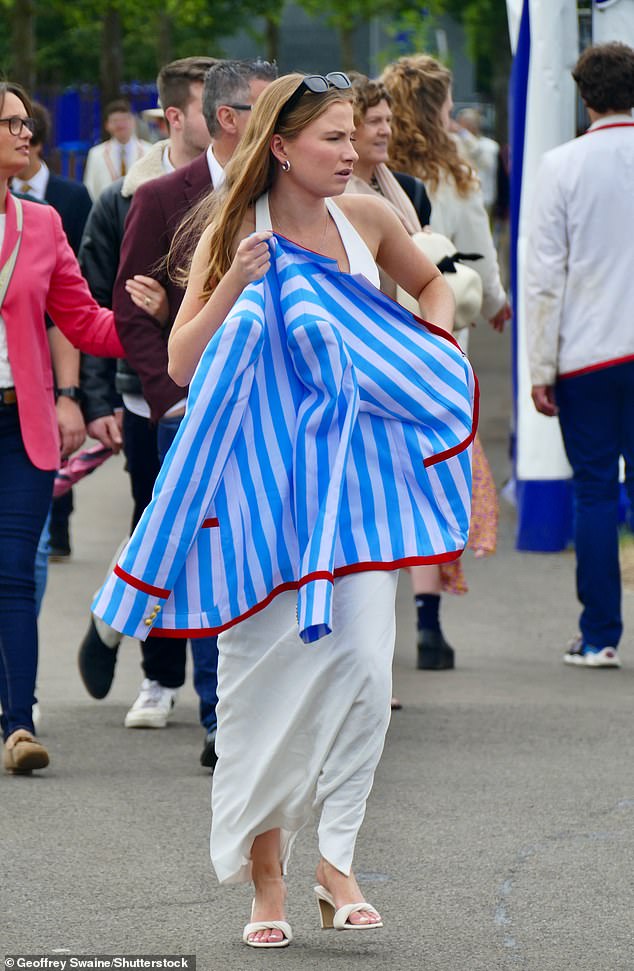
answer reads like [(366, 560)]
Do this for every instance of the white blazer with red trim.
[(578, 294)]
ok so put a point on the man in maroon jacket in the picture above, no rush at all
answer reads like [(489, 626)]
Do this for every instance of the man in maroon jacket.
[(158, 207)]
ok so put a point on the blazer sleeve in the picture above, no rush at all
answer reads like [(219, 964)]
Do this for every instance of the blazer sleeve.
[(146, 242), (144, 578), (71, 305), (546, 274)]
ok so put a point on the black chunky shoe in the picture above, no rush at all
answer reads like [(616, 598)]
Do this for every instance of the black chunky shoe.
[(96, 661), (208, 756), (434, 653)]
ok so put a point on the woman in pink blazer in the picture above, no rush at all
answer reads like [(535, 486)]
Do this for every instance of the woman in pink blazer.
[(38, 273)]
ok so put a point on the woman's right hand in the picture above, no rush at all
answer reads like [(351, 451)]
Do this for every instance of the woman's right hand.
[(252, 259)]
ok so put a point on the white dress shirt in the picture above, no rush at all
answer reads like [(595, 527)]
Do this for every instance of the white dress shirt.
[(36, 185)]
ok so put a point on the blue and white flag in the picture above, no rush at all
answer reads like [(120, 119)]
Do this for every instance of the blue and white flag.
[(327, 432)]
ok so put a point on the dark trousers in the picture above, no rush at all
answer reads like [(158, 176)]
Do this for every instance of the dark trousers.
[(164, 658), (596, 414), (141, 459), (25, 497)]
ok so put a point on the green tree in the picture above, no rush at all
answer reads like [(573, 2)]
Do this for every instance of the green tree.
[(54, 42), (486, 26), (346, 16), (18, 21)]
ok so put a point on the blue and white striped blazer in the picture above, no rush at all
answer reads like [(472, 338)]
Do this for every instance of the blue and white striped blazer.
[(327, 432)]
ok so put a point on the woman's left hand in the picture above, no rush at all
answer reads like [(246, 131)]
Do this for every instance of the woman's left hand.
[(149, 295), (70, 421)]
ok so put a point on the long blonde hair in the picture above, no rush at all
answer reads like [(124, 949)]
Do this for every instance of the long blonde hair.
[(419, 86), (252, 171)]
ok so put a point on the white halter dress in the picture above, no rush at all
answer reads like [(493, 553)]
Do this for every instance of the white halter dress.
[(302, 727)]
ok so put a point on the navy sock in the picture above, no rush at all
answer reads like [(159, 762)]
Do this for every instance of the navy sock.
[(428, 608)]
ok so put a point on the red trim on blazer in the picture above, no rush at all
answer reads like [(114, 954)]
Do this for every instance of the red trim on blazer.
[(596, 367), (448, 453), (616, 124), (140, 584), (296, 584)]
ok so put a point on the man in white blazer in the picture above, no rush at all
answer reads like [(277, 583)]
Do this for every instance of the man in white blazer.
[(581, 329), (109, 160)]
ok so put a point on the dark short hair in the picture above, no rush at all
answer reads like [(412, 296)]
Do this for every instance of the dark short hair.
[(42, 126), (605, 76), (228, 81), (114, 106), (175, 79), (366, 93), (12, 87)]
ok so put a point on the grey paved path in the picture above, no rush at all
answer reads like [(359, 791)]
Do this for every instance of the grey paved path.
[(499, 835)]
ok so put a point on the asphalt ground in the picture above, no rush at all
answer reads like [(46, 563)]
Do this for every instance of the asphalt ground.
[(499, 834)]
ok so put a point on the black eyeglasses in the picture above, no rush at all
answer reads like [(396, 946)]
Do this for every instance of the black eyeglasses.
[(239, 107), (317, 84), (15, 124)]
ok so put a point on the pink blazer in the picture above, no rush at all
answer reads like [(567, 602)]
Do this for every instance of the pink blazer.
[(46, 278)]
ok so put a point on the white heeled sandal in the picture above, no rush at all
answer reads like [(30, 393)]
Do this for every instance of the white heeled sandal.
[(267, 925), (330, 917)]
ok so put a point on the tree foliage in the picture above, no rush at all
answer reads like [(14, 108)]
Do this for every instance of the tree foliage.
[(346, 16), (486, 26), (68, 36)]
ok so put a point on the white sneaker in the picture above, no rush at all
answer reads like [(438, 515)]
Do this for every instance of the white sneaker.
[(589, 656), (153, 706)]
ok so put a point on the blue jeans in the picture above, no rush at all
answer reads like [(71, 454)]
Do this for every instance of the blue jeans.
[(596, 414), (25, 497), (164, 658), (41, 563)]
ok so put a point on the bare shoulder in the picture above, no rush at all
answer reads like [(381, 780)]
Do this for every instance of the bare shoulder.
[(371, 216), (368, 214), (362, 207)]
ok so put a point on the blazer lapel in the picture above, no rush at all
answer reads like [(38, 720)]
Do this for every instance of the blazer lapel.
[(10, 231), (197, 180)]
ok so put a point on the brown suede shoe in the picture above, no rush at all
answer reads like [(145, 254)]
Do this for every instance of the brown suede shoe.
[(23, 753)]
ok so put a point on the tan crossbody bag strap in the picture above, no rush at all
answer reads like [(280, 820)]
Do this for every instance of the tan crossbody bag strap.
[(7, 270)]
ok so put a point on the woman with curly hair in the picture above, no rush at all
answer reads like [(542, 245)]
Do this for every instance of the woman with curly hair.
[(420, 88), (420, 92)]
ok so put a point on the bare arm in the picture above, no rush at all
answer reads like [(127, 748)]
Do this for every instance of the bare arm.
[(401, 259), (414, 272), (199, 319)]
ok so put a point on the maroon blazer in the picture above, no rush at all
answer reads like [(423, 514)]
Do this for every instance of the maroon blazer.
[(156, 211)]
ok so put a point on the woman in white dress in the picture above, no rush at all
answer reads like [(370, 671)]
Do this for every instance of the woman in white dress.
[(299, 726)]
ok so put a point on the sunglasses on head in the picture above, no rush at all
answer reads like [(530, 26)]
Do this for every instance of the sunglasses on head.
[(317, 84)]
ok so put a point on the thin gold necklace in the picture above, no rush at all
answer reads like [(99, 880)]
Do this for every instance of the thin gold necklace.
[(320, 245)]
